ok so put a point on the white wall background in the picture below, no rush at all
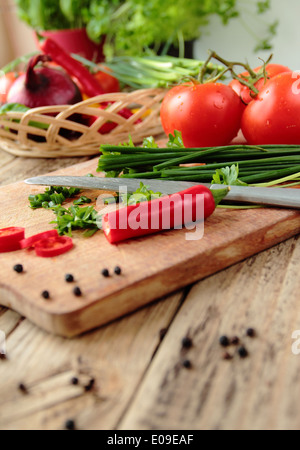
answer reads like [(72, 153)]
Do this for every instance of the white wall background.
[(232, 42), (235, 43)]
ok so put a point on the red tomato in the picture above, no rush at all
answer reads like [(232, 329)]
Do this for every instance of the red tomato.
[(53, 246), (6, 81), (107, 82), (274, 116), (244, 92), (10, 239), (206, 114)]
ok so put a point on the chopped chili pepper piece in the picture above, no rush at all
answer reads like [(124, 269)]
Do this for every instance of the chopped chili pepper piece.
[(163, 213), (53, 246), (10, 239), (32, 240)]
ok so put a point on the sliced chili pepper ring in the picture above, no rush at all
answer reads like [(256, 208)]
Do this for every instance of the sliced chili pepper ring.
[(10, 239), (32, 240), (53, 246)]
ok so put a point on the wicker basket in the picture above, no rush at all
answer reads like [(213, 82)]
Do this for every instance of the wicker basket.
[(63, 135)]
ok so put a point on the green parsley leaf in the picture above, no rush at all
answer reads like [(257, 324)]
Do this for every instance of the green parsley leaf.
[(53, 196), (76, 217), (228, 176), (82, 200), (142, 194), (176, 140), (149, 142)]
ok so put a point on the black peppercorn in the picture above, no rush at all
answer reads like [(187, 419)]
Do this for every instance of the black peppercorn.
[(187, 363), (227, 356), (70, 424), (22, 388), (118, 270), (105, 273), (242, 351), (235, 340), (224, 341), (90, 385), (18, 268), (46, 295), (250, 332), (186, 342), (77, 291), (74, 381), (69, 278)]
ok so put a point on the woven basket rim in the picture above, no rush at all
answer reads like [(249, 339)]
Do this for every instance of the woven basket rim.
[(48, 131)]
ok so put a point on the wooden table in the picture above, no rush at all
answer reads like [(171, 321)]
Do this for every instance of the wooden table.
[(132, 375)]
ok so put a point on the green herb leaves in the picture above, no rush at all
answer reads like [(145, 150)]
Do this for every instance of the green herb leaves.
[(73, 218), (233, 164), (228, 175), (78, 217), (52, 196), (142, 194)]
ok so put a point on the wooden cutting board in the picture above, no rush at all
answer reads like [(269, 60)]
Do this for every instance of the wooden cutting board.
[(152, 266)]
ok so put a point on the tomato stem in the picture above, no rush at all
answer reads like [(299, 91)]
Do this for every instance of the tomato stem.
[(248, 81)]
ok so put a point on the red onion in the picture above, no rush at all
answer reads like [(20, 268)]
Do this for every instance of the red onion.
[(43, 86)]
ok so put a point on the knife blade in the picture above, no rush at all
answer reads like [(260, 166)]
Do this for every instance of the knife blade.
[(283, 197)]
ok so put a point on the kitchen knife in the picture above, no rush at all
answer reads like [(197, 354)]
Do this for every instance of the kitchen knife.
[(283, 197)]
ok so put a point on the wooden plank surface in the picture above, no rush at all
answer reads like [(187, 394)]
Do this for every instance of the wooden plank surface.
[(116, 357), (259, 392), (152, 266), (137, 386)]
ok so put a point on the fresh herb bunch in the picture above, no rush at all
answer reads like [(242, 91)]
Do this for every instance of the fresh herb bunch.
[(46, 15), (132, 27), (237, 164)]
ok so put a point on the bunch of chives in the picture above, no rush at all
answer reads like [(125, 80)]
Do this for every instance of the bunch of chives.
[(257, 164)]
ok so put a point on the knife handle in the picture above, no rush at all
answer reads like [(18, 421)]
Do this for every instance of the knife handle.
[(284, 197)]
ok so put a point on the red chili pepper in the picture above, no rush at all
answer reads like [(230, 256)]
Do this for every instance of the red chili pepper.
[(74, 68), (10, 239), (165, 213), (32, 240), (53, 246)]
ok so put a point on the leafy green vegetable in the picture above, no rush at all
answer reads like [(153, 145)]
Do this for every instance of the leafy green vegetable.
[(82, 201), (133, 26), (175, 141), (235, 164), (228, 175), (52, 14), (52, 196), (76, 217), (142, 194)]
